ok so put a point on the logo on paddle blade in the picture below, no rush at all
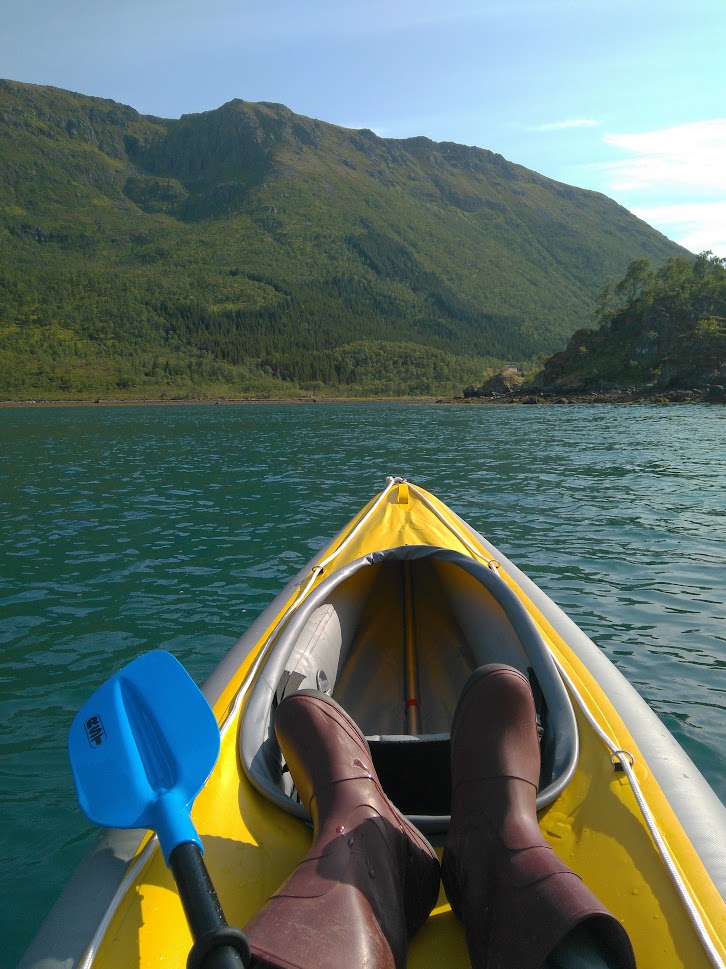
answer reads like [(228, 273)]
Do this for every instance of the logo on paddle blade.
[(95, 731)]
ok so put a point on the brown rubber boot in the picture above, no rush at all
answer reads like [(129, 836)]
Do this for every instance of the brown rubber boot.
[(370, 878), (517, 900)]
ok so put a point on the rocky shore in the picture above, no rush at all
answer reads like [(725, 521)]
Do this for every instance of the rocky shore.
[(511, 388), (709, 395)]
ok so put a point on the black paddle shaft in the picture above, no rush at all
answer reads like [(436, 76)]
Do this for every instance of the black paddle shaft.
[(216, 945)]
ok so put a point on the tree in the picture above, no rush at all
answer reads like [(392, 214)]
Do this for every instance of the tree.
[(636, 281)]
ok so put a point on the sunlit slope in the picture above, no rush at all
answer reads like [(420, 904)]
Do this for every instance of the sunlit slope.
[(248, 244)]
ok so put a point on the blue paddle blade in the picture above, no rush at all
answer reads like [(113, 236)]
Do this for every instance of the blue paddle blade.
[(142, 748)]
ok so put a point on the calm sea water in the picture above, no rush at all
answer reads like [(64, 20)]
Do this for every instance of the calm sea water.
[(124, 529)]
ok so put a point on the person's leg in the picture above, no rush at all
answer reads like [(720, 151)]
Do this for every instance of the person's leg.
[(515, 897), (370, 879)]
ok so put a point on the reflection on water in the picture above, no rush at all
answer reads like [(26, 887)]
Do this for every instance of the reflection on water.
[(130, 528)]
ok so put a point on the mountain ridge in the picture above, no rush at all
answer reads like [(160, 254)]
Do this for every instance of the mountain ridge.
[(257, 245)]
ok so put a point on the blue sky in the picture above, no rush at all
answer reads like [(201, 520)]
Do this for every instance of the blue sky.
[(626, 97)]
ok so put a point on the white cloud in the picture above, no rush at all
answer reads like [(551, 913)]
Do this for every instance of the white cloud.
[(563, 125), (696, 225), (675, 179), (689, 156)]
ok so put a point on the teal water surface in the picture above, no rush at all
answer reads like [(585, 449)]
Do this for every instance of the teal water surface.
[(130, 528)]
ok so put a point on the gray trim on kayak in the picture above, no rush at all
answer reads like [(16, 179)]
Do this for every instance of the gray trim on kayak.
[(71, 924), (215, 684), (220, 676), (694, 802), (304, 647)]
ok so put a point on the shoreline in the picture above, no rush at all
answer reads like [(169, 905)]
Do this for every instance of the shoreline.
[(711, 395), (708, 395), (221, 401)]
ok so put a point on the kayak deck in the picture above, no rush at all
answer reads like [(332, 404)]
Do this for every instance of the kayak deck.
[(594, 823)]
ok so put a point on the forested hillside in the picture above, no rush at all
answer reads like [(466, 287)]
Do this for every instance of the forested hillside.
[(251, 251), (660, 329)]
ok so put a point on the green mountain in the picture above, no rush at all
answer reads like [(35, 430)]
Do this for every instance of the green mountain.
[(249, 250), (658, 330)]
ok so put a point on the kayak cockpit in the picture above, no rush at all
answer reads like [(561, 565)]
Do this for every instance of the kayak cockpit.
[(393, 638)]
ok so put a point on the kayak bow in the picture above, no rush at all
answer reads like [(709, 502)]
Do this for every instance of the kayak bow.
[(390, 618)]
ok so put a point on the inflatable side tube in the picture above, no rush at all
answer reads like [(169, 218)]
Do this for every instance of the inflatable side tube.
[(695, 804)]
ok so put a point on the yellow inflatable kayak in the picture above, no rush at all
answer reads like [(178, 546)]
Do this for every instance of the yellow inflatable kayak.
[(389, 620)]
